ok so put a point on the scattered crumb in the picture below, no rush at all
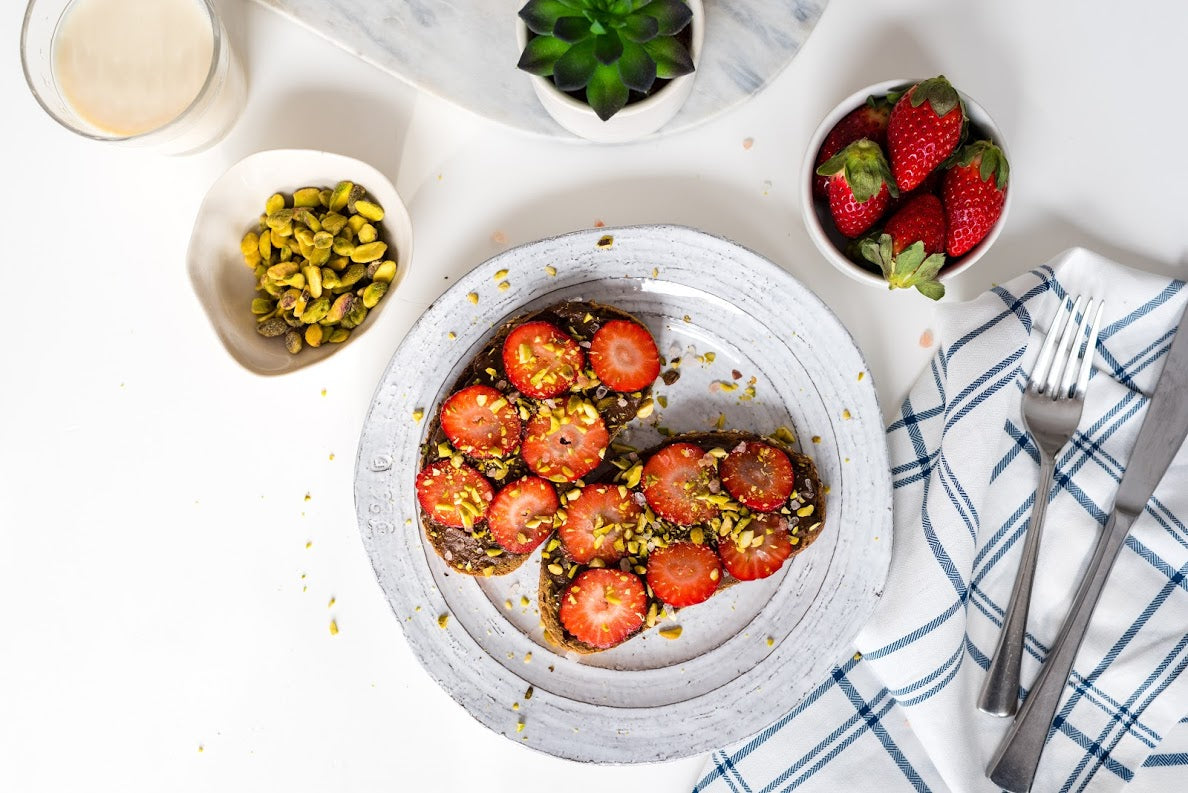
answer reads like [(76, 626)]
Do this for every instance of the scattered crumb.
[(309, 544), (550, 271), (305, 589), (655, 272), (687, 318), (308, 496), (671, 632), (846, 414), (333, 627), (926, 338), (498, 237), (451, 335), (332, 601), (663, 400), (527, 658), (735, 374), (504, 286), (846, 460), (748, 143), (605, 241), (331, 456), (500, 275), (528, 694), (473, 298), (721, 421), (201, 748), (857, 656), (418, 414), (599, 224), (770, 641), (520, 726), (507, 604), (860, 376), (515, 706), (323, 392), (443, 620), (524, 601), (816, 439)]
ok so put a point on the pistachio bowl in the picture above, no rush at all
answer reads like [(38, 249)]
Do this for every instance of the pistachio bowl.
[(225, 285)]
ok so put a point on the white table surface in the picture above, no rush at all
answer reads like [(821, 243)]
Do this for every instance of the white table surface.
[(165, 624)]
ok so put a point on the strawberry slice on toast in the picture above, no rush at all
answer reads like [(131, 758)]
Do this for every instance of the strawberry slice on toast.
[(677, 484), (603, 607), (759, 475), (596, 517), (757, 551), (541, 360), (455, 495), (623, 355), (481, 422), (564, 443), (520, 516), (684, 574)]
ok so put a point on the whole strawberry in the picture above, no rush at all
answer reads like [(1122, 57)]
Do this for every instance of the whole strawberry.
[(924, 128), (868, 121), (910, 251), (860, 186), (974, 192), (921, 218)]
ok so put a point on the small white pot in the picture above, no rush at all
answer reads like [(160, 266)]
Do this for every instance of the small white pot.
[(634, 121)]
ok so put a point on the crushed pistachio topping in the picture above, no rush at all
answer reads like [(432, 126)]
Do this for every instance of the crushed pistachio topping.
[(550, 271), (443, 620), (473, 298)]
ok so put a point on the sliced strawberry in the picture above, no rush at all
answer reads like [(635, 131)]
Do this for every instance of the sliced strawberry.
[(456, 496), (683, 574), (480, 422), (676, 483), (747, 561), (566, 442), (541, 360), (758, 475), (521, 515), (624, 356), (602, 607), (595, 519)]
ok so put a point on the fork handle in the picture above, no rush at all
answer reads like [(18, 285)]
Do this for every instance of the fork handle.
[(1014, 764), (1000, 690)]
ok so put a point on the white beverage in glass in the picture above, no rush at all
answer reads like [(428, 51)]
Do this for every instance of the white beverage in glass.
[(153, 72)]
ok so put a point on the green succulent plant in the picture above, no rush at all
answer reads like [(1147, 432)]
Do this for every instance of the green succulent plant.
[(609, 48)]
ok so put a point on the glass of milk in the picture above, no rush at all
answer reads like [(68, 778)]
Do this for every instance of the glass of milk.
[(154, 73)]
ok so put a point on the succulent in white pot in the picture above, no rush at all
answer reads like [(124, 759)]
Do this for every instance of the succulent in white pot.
[(611, 70)]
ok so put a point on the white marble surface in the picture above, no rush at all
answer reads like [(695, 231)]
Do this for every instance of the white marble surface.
[(466, 51)]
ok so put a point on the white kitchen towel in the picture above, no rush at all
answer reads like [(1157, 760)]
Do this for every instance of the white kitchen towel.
[(964, 469)]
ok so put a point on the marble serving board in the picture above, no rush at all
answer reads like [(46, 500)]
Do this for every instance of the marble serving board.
[(466, 51)]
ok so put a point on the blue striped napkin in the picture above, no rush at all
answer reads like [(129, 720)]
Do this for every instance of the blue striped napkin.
[(901, 714)]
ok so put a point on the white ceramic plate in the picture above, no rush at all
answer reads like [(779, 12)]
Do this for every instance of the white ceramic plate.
[(748, 654), (226, 287)]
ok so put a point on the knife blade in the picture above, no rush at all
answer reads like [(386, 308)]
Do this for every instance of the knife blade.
[(1160, 437)]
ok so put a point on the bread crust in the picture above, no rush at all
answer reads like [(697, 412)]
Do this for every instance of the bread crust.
[(554, 582), (465, 551)]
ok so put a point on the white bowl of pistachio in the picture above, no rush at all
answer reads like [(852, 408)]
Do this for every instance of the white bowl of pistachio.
[(293, 253)]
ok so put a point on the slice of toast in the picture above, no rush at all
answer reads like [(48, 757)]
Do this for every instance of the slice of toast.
[(558, 568), (476, 552)]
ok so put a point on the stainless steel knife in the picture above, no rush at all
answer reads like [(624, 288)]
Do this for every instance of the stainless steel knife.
[(1160, 437)]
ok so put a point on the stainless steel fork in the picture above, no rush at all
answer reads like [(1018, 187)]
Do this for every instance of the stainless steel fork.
[(1052, 405)]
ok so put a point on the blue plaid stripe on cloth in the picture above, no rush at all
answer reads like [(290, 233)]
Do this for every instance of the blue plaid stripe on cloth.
[(902, 714)]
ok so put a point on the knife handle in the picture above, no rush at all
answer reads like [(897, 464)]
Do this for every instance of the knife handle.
[(1014, 764)]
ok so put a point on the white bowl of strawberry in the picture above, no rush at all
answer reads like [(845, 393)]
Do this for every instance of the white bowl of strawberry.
[(906, 184)]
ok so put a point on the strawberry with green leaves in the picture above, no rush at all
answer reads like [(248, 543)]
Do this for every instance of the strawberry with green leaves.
[(974, 192), (910, 250), (868, 121), (925, 127), (860, 186)]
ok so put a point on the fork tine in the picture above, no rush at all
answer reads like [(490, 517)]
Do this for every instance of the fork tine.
[(1075, 352), (1058, 361), (1039, 372), (1090, 348)]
